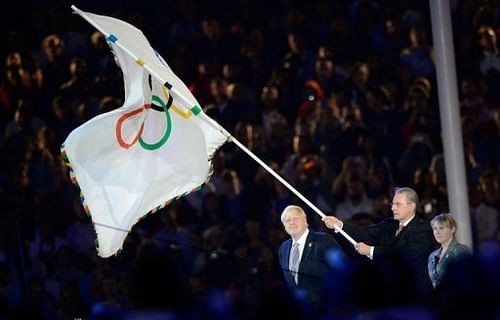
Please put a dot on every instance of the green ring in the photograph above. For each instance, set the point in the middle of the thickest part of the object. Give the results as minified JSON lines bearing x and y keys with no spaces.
{"x":162,"y":141}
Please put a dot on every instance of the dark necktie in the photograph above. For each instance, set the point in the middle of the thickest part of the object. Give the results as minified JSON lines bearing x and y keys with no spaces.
{"x":400,"y":228}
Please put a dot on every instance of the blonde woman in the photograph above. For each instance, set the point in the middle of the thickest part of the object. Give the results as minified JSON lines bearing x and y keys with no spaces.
{"x":444,"y":229}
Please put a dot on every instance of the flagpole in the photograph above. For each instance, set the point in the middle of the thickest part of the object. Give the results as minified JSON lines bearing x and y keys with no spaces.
{"x":274,"y":174}
{"x":290,"y":187}
{"x":175,"y":92}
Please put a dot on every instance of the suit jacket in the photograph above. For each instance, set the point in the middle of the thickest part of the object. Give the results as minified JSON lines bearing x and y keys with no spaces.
{"x":437,"y":267}
{"x":313,"y":267}
{"x":414,"y":244}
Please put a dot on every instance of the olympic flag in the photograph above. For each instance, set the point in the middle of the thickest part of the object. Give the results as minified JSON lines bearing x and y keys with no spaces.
{"x":138,"y":158}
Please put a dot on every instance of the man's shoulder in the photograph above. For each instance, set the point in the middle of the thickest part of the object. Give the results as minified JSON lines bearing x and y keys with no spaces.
{"x":319,"y":234}
{"x":289,"y":240}
{"x":421,"y":224}
{"x":285,"y":243}
{"x":386,"y":223}
{"x":322,"y":237}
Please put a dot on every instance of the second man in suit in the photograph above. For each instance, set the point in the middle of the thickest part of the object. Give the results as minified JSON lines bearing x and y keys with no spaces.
{"x":406,"y":235}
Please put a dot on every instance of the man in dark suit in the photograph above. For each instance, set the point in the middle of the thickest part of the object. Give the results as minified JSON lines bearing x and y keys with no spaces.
{"x":406,"y":235}
{"x":302,"y":258}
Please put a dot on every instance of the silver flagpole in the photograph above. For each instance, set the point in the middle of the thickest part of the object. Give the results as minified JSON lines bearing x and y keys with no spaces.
{"x":450,"y":118}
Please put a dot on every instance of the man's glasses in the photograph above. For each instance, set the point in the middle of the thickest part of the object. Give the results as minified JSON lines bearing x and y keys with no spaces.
{"x":398,"y":204}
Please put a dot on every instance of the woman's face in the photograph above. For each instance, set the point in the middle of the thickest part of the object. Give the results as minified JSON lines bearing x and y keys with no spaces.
{"x":442,"y":233}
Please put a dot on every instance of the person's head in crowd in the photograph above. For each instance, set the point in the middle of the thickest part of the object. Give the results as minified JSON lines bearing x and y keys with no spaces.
{"x":98,"y":42}
{"x":280,"y":131}
{"x":16,"y":74}
{"x":325,"y":52}
{"x":232,"y":72}
{"x":423,"y":82}
{"x":60,"y":108}
{"x":53,"y":47}
{"x":472,"y":87}
{"x":487,"y":39}
{"x":351,"y":116}
{"x":382,"y":173}
{"x":378,"y":99}
{"x":218,"y":89}
{"x":109,"y":103}
{"x":13,"y":59}
{"x":231,"y":183}
{"x":360,"y":74}
{"x":243,"y":131}
{"x":211,"y":204}
{"x":417,"y":99}
{"x":296,"y":41}
{"x":381,"y":207}
{"x":393,"y":27}
{"x":354,"y":165}
{"x":489,"y":185}
{"x":470,"y":128}
{"x":418,"y":36}
{"x":24,"y":114}
{"x":219,"y":161}
{"x":310,"y":169}
{"x":324,"y":68}
{"x":211,"y":30}
{"x":355,"y":188}
{"x":269,"y":97}
{"x":78,"y":67}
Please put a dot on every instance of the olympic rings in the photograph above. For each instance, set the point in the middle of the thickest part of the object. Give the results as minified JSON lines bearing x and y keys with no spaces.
{"x":162,"y":108}
{"x":185,"y":115}
{"x":168,"y":128}
{"x":118,"y":128}
{"x":138,"y":137}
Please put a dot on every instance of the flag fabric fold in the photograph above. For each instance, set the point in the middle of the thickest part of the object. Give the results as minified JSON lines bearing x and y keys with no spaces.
{"x":138,"y":158}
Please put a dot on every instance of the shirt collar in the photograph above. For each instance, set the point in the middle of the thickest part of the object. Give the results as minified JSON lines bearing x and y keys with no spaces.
{"x":408,"y":221}
{"x":302,"y":240}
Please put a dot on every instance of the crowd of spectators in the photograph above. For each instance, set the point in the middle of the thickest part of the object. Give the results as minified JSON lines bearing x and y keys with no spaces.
{"x":339,"y":97}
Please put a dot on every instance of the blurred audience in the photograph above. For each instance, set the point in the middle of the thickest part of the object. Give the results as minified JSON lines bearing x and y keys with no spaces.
{"x":337,"y":96}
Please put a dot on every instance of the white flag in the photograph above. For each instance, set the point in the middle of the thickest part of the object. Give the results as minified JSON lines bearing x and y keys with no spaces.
{"x":154,"y":149}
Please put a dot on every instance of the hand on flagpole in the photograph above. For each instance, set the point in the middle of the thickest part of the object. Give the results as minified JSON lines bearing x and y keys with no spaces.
{"x":332,"y":222}
{"x":363,"y":249}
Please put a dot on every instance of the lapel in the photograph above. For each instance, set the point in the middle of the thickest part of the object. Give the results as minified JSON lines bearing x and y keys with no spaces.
{"x":308,"y":248}
{"x":448,"y":255}
{"x":405,"y":229}
{"x":393,"y":229}
{"x":286,"y":261}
